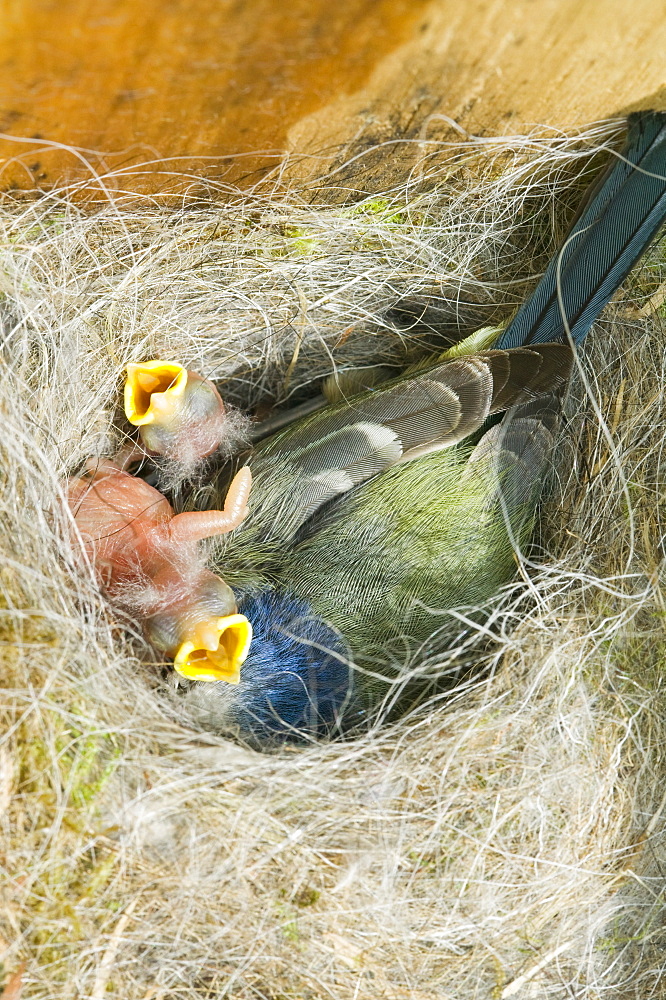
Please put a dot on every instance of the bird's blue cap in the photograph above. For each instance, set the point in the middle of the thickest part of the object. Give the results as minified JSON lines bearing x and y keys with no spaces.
{"x":297,"y":682}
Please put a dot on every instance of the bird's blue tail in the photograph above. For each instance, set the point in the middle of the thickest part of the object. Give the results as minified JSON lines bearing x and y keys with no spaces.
{"x":618,"y":220}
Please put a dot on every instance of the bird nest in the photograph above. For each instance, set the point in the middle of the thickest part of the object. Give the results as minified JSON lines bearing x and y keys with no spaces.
{"x":502,"y":840}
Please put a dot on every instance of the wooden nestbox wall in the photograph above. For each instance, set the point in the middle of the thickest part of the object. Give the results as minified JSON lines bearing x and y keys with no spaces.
{"x":225,"y":89}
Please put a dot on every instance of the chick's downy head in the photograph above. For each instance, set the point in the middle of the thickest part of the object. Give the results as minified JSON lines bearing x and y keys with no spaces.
{"x":180,"y":414}
{"x":200,"y":627}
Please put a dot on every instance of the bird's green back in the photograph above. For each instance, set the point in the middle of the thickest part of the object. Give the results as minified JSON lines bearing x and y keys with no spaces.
{"x":427,"y":536}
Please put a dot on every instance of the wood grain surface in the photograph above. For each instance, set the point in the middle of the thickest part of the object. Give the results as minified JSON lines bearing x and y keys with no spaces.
{"x":224,"y":88}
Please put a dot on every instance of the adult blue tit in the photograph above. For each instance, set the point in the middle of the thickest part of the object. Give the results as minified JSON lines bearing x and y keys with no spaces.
{"x":372,"y":519}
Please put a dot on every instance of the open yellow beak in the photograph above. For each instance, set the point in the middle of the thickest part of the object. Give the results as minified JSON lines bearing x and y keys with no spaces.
{"x":153,"y":390}
{"x":217,"y":651}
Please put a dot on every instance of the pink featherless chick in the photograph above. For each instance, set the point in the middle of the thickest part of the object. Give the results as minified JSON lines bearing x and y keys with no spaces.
{"x":149,"y":562}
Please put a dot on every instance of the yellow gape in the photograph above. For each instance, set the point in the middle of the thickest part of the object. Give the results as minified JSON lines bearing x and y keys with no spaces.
{"x":216,"y":650}
{"x":151,"y":391}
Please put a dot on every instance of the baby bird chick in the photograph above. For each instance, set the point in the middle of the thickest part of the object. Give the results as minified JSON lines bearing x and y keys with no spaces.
{"x":180,"y":414}
{"x":149,"y":562}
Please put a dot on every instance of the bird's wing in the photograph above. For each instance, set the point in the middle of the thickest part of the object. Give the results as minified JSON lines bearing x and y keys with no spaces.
{"x":384,"y":562}
{"x":345,"y":445}
{"x":513,"y":457}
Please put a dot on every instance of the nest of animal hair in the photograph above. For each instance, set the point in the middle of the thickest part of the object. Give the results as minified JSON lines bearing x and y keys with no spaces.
{"x":502,"y":840}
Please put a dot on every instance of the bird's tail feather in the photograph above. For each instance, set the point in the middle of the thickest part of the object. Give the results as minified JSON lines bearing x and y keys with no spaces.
{"x":616,"y":223}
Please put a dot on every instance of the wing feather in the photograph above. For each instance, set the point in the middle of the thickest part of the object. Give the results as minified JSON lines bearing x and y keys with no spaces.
{"x":338,"y":449}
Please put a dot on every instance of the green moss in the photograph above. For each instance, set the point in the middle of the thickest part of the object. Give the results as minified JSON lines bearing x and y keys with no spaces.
{"x":619,"y":934}
{"x":288,"y":922}
{"x":428,"y":863}
{"x":63,"y":776}
{"x":307,"y":896}
{"x":53,"y":224}
{"x":383,"y":210}
{"x":300,"y":241}
{"x":91,"y":769}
